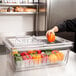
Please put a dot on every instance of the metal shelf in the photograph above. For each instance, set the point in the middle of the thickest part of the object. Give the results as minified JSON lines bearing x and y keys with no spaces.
{"x":20,"y":13}
{"x":36,"y":14}
{"x":16,"y":13}
{"x":21,"y":4}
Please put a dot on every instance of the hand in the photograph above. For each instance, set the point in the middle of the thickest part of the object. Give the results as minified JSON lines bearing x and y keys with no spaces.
{"x":50,"y":35}
{"x":49,"y":31}
{"x":53,"y":30}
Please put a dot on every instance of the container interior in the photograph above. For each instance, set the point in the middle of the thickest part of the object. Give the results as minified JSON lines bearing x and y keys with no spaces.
{"x":33,"y":59}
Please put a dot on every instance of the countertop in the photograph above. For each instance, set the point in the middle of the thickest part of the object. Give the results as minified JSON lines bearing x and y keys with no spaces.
{"x":68,"y":70}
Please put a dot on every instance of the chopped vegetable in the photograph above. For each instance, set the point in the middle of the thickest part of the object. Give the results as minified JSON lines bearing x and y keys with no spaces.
{"x":24,"y":53}
{"x":55,"y":51}
{"x":27,"y":57}
{"x":56,"y":56}
{"x":60,"y":56}
{"x":36,"y":58}
{"x":18,"y":58}
{"x":31,"y":51}
{"x":53,"y":58}
{"x":39,"y":51}
{"x":15,"y":52}
{"x":48,"y":53}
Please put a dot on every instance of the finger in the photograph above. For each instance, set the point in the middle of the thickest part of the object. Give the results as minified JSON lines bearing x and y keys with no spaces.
{"x":46,"y":33}
{"x":51,"y":31}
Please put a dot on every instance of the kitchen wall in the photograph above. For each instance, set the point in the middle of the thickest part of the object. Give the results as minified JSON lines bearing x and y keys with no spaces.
{"x":15,"y":25}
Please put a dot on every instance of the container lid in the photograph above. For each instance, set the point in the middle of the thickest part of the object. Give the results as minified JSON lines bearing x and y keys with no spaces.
{"x":37,"y":42}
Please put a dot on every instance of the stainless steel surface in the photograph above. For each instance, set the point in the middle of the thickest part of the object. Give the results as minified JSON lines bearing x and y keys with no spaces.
{"x":59,"y":11}
{"x":62,"y":10}
{"x":48,"y":14}
{"x":37,"y":22}
{"x":5,"y":68}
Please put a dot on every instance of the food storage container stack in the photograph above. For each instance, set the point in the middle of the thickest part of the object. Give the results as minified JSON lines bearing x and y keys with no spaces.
{"x":36,"y":52}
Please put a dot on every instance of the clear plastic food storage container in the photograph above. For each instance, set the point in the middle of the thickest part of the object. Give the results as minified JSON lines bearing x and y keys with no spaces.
{"x":34,"y":52}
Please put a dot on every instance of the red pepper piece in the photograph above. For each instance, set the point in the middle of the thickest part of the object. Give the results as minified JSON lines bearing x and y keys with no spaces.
{"x":43,"y":55}
{"x":30,"y":57}
{"x":24,"y":57}
{"x":24,"y":53}
{"x":27,"y":57}
{"x":31,"y":51}
{"x":39,"y":51}
{"x":55,"y":51}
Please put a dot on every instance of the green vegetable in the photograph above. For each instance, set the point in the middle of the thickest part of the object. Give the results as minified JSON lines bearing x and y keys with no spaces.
{"x":49,"y":50}
{"x":48,"y":53}
{"x":16,"y":54}
{"x":18,"y":58}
